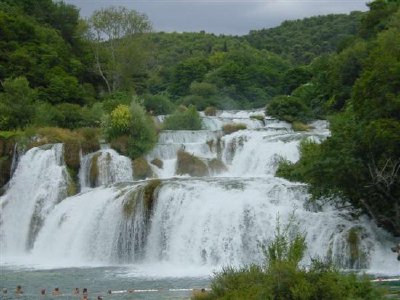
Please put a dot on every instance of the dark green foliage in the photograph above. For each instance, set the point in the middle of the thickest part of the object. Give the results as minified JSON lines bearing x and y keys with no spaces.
{"x":158,"y":104}
{"x":186,"y":72}
{"x":288,"y":108}
{"x":303,"y":40}
{"x":16,"y":104}
{"x":183,"y":120}
{"x":360,"y":161}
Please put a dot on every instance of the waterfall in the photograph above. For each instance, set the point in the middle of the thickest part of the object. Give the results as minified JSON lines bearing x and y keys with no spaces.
{"x":104,"y":167}
{"x":197,"y":222}
{"x":38,"y":184}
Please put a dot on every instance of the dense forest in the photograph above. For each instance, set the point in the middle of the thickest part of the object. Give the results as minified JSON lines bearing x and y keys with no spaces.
{"x":67,"y":78}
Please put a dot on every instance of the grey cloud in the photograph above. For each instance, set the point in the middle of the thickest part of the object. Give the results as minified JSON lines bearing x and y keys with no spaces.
{"x":223,"y":16}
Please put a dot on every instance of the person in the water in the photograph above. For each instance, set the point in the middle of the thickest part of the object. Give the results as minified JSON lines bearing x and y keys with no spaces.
{"x":75,"y":291}
{"x":19,"y":290}
{"x":56,"y":292}
{"x":5,"y":291}
{"x":43,"y":292}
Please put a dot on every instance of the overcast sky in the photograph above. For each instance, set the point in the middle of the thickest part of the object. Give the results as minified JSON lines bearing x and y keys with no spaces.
{"x":223,"y":16}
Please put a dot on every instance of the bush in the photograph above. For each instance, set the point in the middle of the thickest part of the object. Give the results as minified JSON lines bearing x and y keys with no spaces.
{"x":186,"y":120}
{"x":231,"y":128}
{"x":288,"y":108}
{"x":130,"y":131}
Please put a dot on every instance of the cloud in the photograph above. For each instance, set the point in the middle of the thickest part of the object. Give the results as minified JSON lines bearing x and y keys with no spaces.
{"x":223,"y":16}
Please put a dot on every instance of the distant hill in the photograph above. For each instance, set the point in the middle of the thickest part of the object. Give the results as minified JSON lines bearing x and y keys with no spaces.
{"x":302,"y":40}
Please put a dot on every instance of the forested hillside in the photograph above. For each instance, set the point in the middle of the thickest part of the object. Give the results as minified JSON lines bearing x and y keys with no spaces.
{"x":301,"y":41}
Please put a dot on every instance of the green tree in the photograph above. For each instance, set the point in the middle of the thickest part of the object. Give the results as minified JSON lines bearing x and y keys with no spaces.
{"x":111,"y":31}
{"x":16,"y":103}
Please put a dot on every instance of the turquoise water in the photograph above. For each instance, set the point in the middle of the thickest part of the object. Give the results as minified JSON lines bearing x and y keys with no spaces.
{"x":97,"y":281}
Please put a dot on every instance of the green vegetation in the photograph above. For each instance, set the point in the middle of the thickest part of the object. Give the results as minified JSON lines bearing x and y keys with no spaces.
{"x":359,"y":86}
{"x":282,"y":277}
{"x":130,"y":130}
{"x":188,"y":119}
{"x":302,"y":40}
{"x":231,"y":128}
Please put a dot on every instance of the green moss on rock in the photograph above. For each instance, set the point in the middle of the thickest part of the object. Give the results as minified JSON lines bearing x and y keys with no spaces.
{"x":299,"y":126}
{"x":231,"y":128}
{"x":191,"y":165}
{"x":130,"y":203}
{"x":149,"y":194}
{"x":210,"y":111}
{"x":141,"y":169}
{"x":158,"y":163}
{"x":216,"y":166}
{"x":94,"y":170}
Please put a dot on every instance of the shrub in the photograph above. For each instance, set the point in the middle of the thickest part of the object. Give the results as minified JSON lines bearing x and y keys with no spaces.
{"x":231,"y":128}
{"x":130,"y":130}
{"x":186,"y":120}
{"x":191,"y":165}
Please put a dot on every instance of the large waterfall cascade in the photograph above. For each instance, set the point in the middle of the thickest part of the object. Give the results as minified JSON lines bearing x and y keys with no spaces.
{"x":191,"y":222}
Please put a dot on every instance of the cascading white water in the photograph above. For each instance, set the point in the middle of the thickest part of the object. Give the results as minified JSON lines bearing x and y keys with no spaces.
{"x":38,"y":184}
{"x":104,"y":167}
{"x":196,"y":222}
